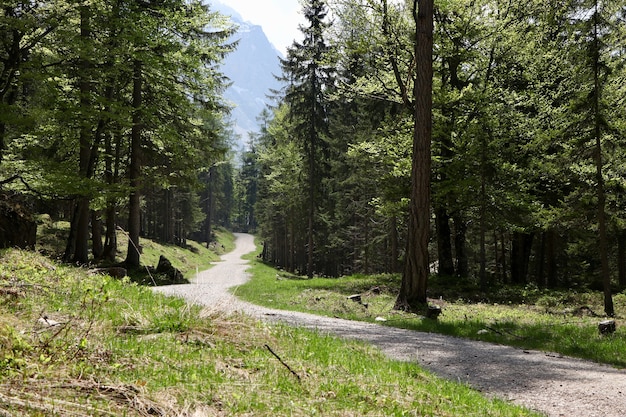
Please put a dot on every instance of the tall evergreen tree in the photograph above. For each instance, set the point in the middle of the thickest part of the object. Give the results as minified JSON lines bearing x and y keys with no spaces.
{"x":416,"y":266}
{"x":308,"y":78}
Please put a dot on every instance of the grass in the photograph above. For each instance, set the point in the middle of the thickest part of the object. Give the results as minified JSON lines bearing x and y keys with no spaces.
{"x":563,"y":322}
{"x":72,"y":343}
{"x":189,"y":260}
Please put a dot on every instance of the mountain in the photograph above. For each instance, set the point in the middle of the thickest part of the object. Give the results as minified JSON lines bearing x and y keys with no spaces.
{"x":251,"y":68}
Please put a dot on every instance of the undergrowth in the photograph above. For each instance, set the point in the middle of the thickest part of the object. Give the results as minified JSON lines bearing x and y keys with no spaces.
{"x":75,"y":344}
{"x":564,"y":322}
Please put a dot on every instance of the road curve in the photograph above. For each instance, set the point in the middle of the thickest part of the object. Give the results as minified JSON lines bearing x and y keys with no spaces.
{"x":549,"y":383}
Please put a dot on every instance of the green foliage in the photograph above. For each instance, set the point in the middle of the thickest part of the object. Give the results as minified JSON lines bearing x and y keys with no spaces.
{"x":96,"y":345}
{"x":564,"y":322}
{"x":513,"y":150}
{"x":71,"y":78}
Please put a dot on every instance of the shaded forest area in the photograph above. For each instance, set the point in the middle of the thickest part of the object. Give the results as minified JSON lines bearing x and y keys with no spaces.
{"x":112,"y":116}
{"x":528,"y":176}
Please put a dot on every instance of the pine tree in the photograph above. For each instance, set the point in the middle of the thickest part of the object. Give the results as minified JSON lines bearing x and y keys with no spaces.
{"x":308,"y":78}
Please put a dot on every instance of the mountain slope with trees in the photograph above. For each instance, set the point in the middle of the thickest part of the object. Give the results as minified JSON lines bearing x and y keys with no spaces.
{"x":251,"y":85}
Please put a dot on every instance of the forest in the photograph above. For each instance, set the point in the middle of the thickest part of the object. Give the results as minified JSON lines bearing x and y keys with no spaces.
{"x":479,"y":140}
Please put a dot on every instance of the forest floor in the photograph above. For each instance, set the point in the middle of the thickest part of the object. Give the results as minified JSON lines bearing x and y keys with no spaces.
{"x":542,"y":381}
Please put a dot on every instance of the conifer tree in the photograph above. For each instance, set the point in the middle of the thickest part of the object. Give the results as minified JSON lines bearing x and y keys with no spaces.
{"x":308,"y":78}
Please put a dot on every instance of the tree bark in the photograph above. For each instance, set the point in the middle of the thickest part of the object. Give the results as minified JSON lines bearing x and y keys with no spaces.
{"x":416,"y":268}
{"x":444,"y":245}
{"x":601,"y":194}
{"x":134,"y":204}
{"x":621,"y":258}
{"x":96,"y":234}
{"x":394,"y":244}
{"x":460,"y":246}
{"x":520,"y":256}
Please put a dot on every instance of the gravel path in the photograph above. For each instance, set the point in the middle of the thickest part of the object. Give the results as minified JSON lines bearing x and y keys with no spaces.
{"x":549,"y":383}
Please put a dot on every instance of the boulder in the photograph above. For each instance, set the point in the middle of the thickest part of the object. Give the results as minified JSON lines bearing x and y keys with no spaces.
{"x":165,"y":268}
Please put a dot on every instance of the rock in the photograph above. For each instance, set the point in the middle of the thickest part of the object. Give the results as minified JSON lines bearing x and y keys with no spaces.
{"x":45,"y":321}
{"x":355,"y":297}
{"x":433,"y":312}
{"x":165,"y":267}
{"x":607,"y":327}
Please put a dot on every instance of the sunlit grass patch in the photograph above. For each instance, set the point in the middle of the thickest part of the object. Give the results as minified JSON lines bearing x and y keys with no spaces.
{"x":558,"y":321}
{"x":80,"y":344}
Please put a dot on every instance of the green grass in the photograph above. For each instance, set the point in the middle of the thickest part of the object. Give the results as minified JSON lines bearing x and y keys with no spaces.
{"x":189,"y":260}
{"x":545,"y":320}
{"x":118,"y":348}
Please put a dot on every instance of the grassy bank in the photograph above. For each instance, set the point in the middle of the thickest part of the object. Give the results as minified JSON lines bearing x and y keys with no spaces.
{"x":558,"y":321}
{"x":189,"y":260}
{"x":78,"y":344}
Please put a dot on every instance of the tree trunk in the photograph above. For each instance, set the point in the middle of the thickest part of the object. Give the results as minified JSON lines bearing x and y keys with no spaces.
{"x":621,"y":258}
{"x":311,"y":216}
{"x":395,"y":253}
{"x":460,"y":246}
{"x":78,"y":241}
{"x":551,"y":254}
{"x":416,"y":268}
{"x":602,"y":233}
{"x":520,"y":256}
{"x":444,"y":244}
{"x":96,"y":234}
{"x":209,"y":207}
{"x":112,"y":162}
{"x":134,"y":204}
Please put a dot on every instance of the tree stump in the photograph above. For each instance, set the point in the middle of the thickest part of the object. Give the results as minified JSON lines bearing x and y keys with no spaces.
{"x":607,"y":327}
{"x":17,"y":228}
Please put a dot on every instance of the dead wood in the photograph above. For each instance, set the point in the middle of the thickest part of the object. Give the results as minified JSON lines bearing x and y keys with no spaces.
{"x":282,"y":362}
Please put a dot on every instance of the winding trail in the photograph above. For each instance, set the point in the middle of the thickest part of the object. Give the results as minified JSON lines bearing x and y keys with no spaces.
{"x":548,"y":383}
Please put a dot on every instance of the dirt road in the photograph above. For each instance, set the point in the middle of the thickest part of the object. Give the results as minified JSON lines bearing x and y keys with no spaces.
{"x":549,"y":383}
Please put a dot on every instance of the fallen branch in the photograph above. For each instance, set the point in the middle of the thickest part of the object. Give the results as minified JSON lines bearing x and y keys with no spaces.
{"x":504,"y":333}
{"x":283,"y":362}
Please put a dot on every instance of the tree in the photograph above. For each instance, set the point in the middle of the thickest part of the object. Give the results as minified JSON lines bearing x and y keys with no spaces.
{"x":416,"y":268}
{"x":308,"y":77}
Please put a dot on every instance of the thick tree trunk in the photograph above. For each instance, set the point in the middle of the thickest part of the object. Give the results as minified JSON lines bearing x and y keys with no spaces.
{"x":110,"y":239}
{"x":601,"y":194}
{"x":78,"y":241}
{"x":134,"y":204}
{"x":416,"y":268}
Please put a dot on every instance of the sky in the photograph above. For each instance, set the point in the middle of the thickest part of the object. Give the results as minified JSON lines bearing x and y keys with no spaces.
{"x":279,"y":18}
